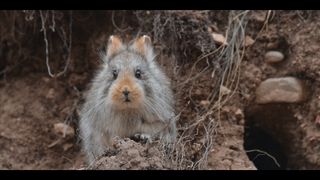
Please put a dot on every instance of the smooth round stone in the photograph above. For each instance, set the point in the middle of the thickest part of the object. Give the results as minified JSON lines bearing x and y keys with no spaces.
{"x":274,"y":57}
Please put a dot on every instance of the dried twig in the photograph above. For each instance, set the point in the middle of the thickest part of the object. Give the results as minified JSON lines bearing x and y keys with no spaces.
{"x":43,"y":21}
{"x":68,"y":45}
{"x":264,"y":153}
{"x":115,"y":25}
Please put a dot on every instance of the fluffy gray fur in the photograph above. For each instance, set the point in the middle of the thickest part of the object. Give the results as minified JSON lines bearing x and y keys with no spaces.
{"x":100,"y":120}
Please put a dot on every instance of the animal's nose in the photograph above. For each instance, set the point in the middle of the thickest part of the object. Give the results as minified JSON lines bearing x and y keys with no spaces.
{"x":126,"y":93}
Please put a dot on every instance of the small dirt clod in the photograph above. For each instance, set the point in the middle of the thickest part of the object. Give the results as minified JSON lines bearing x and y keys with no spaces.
{"x":224,"y":90}
{"x":63,"y":130}
{"x":219,"y":39}
{"x":248,"y":41}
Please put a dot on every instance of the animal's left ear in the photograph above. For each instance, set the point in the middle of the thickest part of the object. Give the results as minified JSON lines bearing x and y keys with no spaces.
{"x":143,"y":46}
{"x":115,"y":45}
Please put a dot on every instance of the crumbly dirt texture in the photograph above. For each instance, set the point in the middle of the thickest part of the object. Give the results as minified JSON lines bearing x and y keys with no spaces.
{"x":131,"y":155}
{"x":215,"y":95}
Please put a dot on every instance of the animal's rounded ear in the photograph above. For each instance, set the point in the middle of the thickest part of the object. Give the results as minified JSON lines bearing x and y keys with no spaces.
{"x":147,"y":40}
{"x":143,"y":46}
{"x":115,"y":45}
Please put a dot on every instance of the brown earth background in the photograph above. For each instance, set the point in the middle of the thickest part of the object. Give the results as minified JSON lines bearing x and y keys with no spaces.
{"x":216,"y":61}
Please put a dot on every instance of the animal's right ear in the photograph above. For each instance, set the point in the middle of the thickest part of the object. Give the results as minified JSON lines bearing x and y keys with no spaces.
{"x":115,"y":45}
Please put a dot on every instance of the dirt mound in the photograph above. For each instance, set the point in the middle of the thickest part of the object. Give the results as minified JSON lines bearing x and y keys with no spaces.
{"x":131,"y":155}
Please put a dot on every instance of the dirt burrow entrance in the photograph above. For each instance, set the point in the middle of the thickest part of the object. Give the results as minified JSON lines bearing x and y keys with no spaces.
{"x":283,"y":135}
{"x":272,"y":137}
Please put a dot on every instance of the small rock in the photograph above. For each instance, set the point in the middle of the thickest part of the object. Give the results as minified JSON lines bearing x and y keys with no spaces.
{"x":248,"y":41}
{"x":11,"y":148}
{"x":298,"y":116}
{"x":226,"y":162}
{"x":239,"y":114}
{"x":45,"y":79}
{"x":226,"y":109}
{"x":303,"y":125}
{"x":196,"y":147}
{"x":234,"y":147}
{"x":281,"y":90}
{"x":224,"y":90}
{"x":198,"y":92}
{"x":219,"y":38}
{"x":205,"y":103}
{"x":273,"y":57}
{"x":67,"y":146}
{"x":212,"y":28}
{"x":63,"y":130}
{"x":133,"y":153}
{"x":50,"y":94}
{"x":246,"y":96}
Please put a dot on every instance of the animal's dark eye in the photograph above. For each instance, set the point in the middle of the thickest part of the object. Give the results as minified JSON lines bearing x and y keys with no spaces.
{"x":138,"y":73}
{"x":115,"y":74}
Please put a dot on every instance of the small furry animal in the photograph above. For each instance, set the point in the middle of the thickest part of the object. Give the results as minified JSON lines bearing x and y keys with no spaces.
{"x":129,"y":97}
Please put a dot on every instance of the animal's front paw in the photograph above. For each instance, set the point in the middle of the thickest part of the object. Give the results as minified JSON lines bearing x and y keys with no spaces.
{"x":143,"y":138}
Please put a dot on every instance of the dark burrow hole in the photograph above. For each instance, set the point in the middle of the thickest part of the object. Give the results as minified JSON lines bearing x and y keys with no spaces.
{"x":267,"y":140}
{"x":263,"y":150}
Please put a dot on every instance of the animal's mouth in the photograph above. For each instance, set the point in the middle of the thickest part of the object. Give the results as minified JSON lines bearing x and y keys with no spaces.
{"x":127,"y":100}
{"x":127,"y":105}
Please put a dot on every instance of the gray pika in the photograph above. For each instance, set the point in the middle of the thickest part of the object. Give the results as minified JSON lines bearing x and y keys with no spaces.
{"x":130,"y":96}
